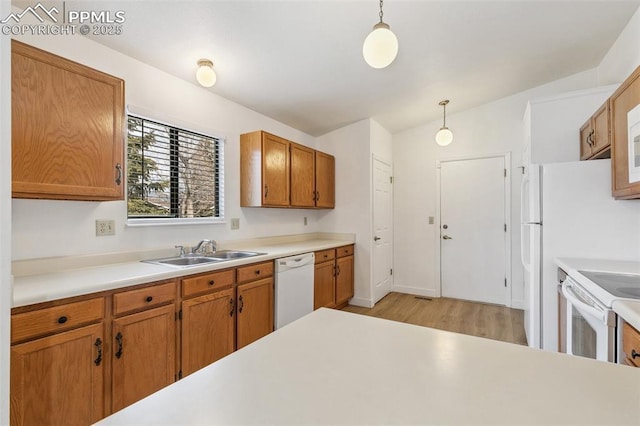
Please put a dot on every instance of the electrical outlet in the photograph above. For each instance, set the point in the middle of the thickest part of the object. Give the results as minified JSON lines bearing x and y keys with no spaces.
{"x":105,"y":227}
{"x":305,"y":221}
{"x":235,"y":223}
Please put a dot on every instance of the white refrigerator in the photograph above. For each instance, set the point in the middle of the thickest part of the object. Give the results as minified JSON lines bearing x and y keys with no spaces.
{"x":567,"y":211}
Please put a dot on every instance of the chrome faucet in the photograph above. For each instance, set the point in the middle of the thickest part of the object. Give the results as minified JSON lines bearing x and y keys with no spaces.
{"x":203,"y":245}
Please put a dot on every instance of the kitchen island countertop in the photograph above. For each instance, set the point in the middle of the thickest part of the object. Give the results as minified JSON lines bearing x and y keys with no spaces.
{"x":333,"y":367}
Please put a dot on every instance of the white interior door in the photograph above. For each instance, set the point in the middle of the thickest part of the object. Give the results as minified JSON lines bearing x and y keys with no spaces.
{"x":472,"y":229}
{"x":382,"y":229}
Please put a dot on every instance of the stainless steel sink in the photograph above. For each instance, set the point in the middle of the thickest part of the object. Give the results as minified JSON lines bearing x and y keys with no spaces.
{"x":191,"y":260}
{"x":233,"y":254}
{"x":183,"y":261}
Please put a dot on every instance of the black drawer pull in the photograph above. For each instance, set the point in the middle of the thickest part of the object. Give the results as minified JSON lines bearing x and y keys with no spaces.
{"x":257,"y":271}
{"x":149,"y":299}
{"x":634,"y":354}
{"x":212,"y":282}
{"x":62,"y":320}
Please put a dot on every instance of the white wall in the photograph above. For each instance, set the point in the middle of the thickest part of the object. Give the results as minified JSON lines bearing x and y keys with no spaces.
{"x":43,"y":228}
{"x":5,"y":217}
{"x":351,"y":147}
{"x":624,"y":55}
{"x":493,"y":128}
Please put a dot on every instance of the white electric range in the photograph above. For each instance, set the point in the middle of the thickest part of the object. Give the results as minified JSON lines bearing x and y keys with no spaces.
{"x":588,"y":326}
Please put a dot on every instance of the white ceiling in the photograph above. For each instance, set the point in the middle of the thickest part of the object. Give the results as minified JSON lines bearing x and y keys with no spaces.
{"x":300,"y":62}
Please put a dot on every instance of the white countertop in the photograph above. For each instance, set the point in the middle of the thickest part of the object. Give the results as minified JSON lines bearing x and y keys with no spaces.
{"x":629,"y":311}
{"x":76,"y":281}
{"x":334,"y":367}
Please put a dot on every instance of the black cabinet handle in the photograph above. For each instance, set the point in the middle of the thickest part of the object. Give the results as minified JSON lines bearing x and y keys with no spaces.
{"x":62,"y":320}
{"x":149,"y":299}
{"x":119,"y":342}
{"x":257,"y":271}
{"x":98,"y":345}
{"x":231,"y":307}
{"x":118,"y":174}
{"x":212,"y":282}
{"x":338,"y":270}
{"x":266,"y":191}
{"x":634,"y":354}
{"x":240,"y":304}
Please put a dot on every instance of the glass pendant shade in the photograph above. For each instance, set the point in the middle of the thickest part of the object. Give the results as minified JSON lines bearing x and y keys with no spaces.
{"x":444,"y":136}
{"x":380,"y":47}
{"x":205,"y":74}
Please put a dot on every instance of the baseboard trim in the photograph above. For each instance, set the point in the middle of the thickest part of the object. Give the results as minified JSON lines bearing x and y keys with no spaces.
{"x":363,"y":303}
{"x":415,"y":291}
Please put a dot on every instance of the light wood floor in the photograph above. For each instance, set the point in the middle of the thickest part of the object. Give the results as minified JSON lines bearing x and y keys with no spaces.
{"x":477,"y":319}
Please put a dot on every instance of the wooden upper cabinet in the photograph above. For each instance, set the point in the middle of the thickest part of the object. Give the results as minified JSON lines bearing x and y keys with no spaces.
{"x":303,"y":175}
{"x":595,"y":141}
{"x":264,"y":170}
{"x":626,"y":98}
{"x":68,"y":128}
{"x":275,"y":172}
{"x":325,"y":180}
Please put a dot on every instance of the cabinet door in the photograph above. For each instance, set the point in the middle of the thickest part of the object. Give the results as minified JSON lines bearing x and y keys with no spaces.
{"x":325,"y":180}
{"x":344,"y":279}
{"x":303,"y":174}
{"x":601,"y":130}
{"x":67,"y":128}
{"x":275,"y":171}
{"x":324,"y":285}
{"x":622,"y":101}
{"x":207,"y":329}
{"x":143,"y":354}
{"x":59,"y":380}
{"x":255,"y":311}
{"x":585,"y":140}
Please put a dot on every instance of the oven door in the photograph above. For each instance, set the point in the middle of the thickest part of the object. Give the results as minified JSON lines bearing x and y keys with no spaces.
{"x":590,"y":327}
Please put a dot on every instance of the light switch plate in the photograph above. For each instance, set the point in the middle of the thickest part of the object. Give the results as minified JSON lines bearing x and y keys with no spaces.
{"x":235,"y":223}
{"x":430,"y":220}
{"x":105,"y":227}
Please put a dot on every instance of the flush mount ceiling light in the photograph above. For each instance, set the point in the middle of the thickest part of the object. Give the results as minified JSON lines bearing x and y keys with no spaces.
{"x":381,"y":45}
{"x":444,"y":136}
{"x":205,"y":74}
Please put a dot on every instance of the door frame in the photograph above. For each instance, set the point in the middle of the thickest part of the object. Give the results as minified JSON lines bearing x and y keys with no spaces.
{"x":507,"y":217}
{"x":372,"y":284}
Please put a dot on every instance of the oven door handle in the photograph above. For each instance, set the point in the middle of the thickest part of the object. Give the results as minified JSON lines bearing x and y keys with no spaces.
{"x":581,"y":304}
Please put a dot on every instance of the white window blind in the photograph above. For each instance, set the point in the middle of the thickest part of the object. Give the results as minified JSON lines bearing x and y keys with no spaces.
{"x":173,"y":172}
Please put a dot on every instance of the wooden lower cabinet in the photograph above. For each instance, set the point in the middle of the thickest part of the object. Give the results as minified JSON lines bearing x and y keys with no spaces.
{"x":324,"y":288}
{"x":630,"y":345}
{"x":333,"y":277}
{"x":143,"y":354}
{"x":208,"y":329}
{"x":255,"y":311}
{"x":59,"y":380}
{"x":344,"y":280}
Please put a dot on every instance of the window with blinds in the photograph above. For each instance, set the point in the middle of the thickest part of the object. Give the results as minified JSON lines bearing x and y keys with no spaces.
{"x":172,"y":172}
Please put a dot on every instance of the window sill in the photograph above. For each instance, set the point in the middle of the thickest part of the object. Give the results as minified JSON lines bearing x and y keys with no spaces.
{"x":174,"y":222}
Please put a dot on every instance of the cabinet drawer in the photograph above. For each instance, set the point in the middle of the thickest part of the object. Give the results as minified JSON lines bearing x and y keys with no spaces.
{"x":207,"y":282}
{"x":142,"y":298}
{"x":325,"y":255}
{"x":255,"y":271}
{"x":631,"y":344}
{"x":55,"y":319}
{"x":344,"y":251}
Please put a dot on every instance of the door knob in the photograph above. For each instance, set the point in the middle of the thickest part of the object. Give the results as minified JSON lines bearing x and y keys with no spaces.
{"x":446,"y":237}
{"x":376,"y":238}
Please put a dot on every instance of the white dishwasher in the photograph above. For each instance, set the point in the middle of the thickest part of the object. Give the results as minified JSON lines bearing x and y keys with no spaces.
{"x":294,"y":288}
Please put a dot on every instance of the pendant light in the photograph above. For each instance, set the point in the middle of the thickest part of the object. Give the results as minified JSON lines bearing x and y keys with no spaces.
{"x":205,"y":75}
{"x":381,"y":45}
{"x":444,"y":136}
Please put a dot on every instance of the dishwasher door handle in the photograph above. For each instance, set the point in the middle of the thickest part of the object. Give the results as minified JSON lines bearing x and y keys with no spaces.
{"x":297,"y":262}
